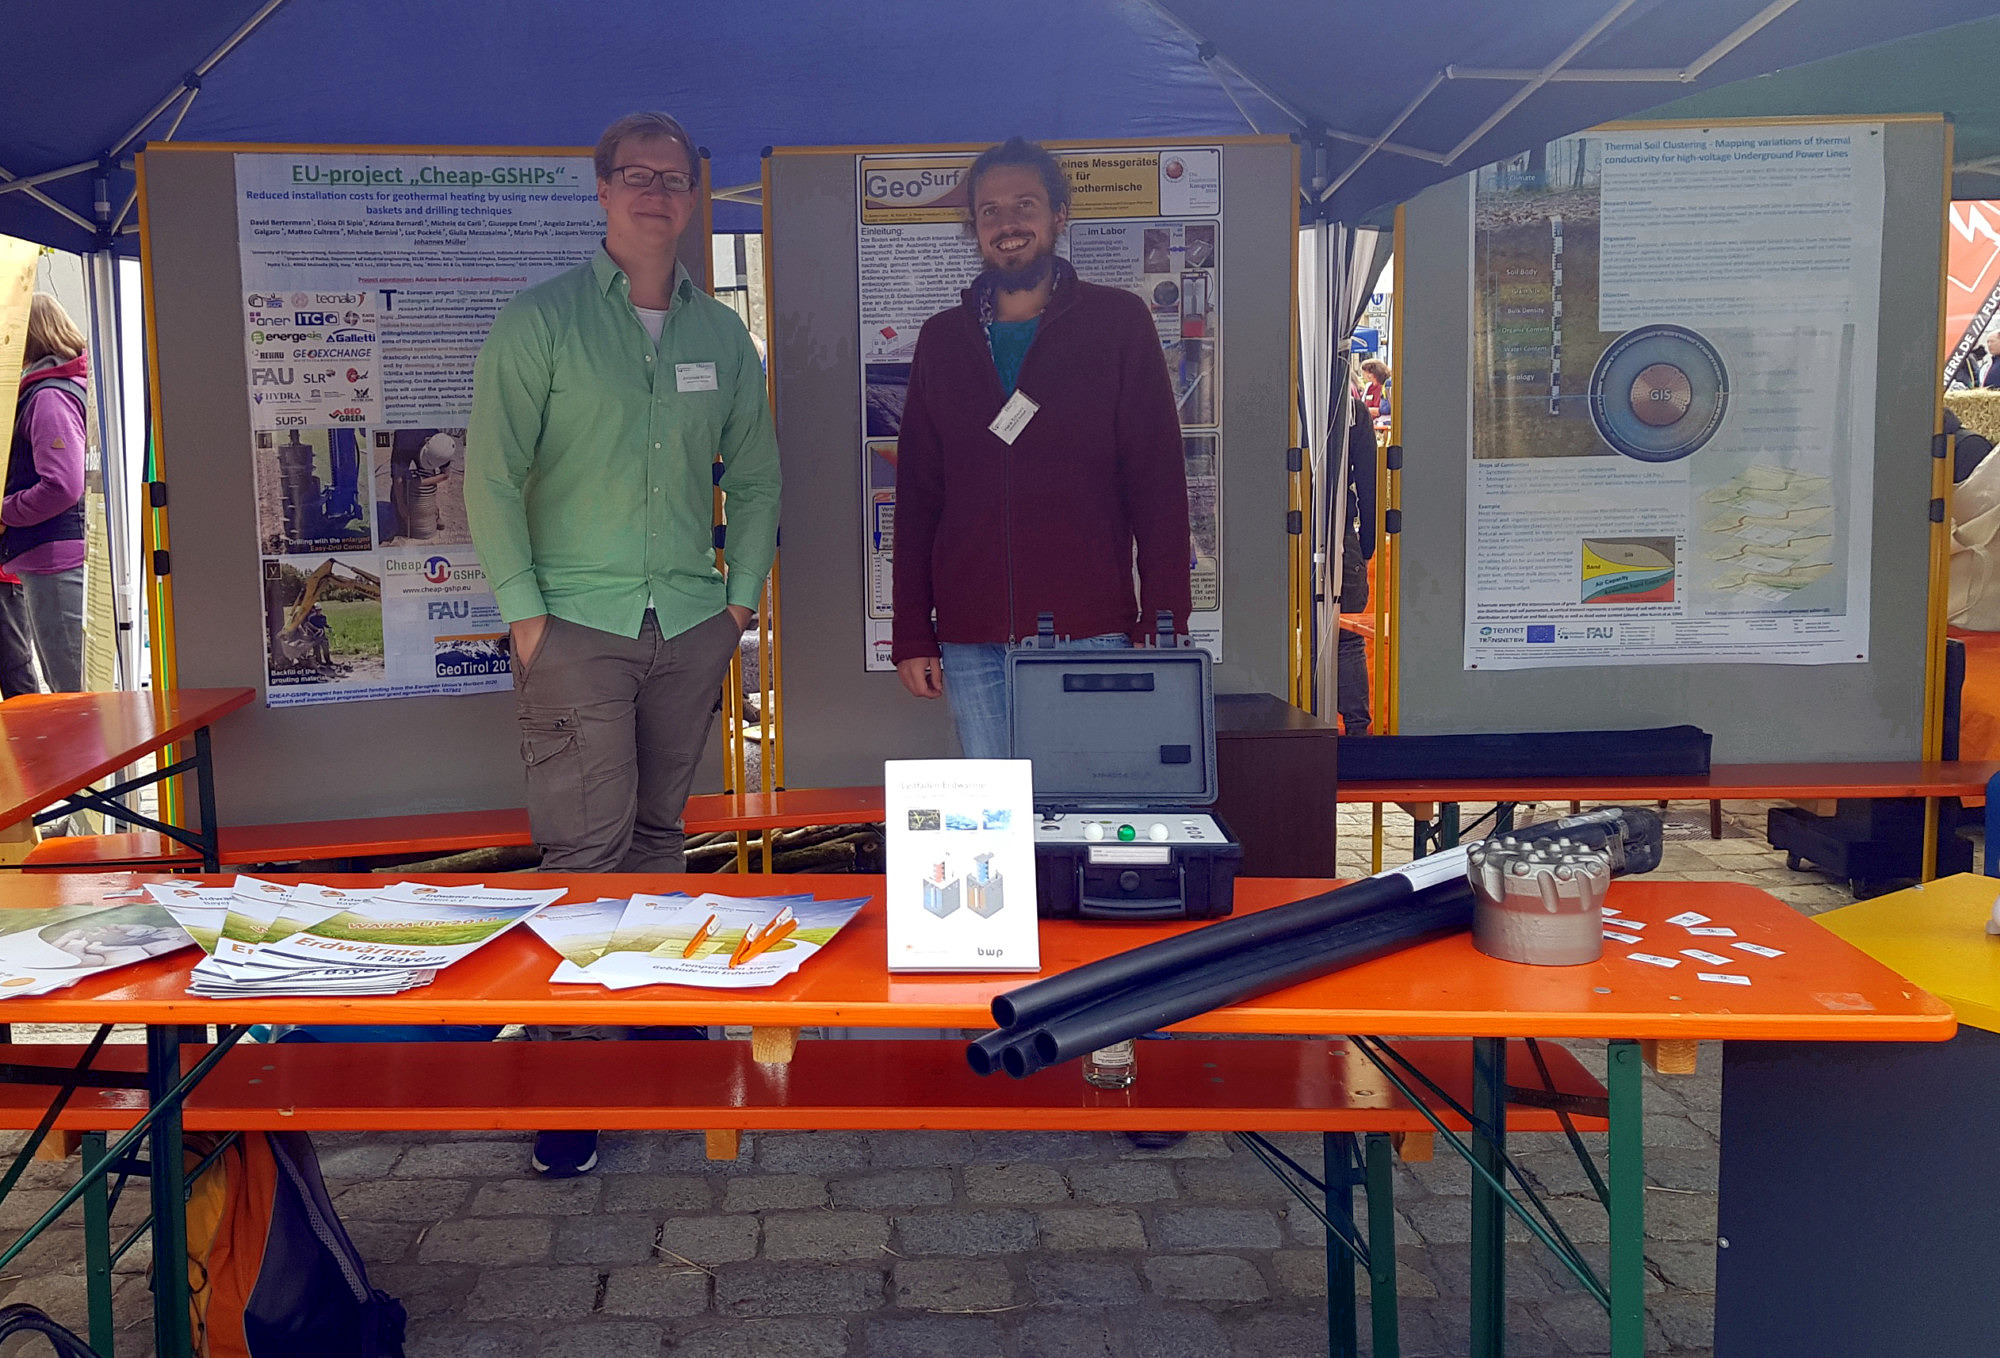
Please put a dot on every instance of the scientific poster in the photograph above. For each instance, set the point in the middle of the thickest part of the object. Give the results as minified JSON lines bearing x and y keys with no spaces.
{"x":369,"y":284}
{"x":1674,"y":399}
{"x":1145,"y":219}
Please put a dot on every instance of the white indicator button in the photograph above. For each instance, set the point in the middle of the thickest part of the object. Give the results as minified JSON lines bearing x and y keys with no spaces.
{"x":1158,"y":833}
{"x":1093,"y":830}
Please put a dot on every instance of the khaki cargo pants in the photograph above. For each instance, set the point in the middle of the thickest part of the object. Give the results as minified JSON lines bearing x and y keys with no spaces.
{"x":611,"y":730}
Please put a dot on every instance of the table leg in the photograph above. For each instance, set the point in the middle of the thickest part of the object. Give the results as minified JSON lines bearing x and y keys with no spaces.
{"x":1337,"y":1167}
{"x":1503,"y":818}
{"x":1489,"y":1216}
{"x":97,"y":1247}
{"x":204,"y":784}
{"x":1382,"y":1299}
{"x":1447,"y":825}
{"x":166,"y":1177}
{"x":1625,"y":1082}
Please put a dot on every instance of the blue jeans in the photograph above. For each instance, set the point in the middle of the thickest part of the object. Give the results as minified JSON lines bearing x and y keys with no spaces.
{"x":975,"y":684}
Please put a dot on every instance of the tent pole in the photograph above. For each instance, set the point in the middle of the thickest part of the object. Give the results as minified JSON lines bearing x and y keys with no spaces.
{"x":108,"y":377}
{"x":194,"y":77}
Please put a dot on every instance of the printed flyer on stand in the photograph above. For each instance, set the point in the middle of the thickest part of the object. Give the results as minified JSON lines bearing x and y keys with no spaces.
{"x":961,"y":865}
{"x":370,"y":282}
{"x":1674,"y":398}
{"x":1145,"y":219}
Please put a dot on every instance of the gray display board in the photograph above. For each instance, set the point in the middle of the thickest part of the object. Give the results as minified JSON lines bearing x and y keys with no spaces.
{"x":841,"y":722}
{"x":1757,"y":713}
{"x":381,"y":758}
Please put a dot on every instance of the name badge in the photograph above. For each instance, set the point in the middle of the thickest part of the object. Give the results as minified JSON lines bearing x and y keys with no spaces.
{"x":1013,"y":417}
{"x":694,"y":376}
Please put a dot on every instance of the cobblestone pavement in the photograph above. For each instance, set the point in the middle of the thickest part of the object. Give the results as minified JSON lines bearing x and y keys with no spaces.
{"x":964,"y":1245}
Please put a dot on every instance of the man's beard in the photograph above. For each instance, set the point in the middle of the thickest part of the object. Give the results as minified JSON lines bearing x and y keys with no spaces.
{"x":1022,"y":276}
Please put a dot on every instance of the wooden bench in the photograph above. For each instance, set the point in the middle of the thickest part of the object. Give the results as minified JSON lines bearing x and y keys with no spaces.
{"x":437,"y":832}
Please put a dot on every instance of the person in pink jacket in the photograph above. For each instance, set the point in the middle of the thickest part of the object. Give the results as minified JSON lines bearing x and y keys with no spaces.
{"x":41,"y":512}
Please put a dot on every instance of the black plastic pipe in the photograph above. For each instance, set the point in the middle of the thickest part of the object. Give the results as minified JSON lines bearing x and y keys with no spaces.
{"x":989,"y":1053}
{"x":1633,"y":835}
{"x":1436,"y":912}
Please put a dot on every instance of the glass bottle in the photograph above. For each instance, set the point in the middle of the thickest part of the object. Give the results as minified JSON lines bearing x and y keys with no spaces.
{"x":1112,"y":1067}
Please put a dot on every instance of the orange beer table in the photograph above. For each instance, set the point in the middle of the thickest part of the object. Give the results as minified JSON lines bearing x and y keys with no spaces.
{"x":53,"y":746}
{"x":1818,"y":988}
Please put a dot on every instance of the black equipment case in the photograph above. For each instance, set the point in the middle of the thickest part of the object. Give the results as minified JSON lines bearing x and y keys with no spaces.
{"x":1123,"y":744}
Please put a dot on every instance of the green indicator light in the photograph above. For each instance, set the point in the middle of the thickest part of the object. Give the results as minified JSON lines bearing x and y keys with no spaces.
{"x":1126,"y":833}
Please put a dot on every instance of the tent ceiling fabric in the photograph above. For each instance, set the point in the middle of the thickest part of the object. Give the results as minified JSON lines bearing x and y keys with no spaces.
{"x":801,"y":72}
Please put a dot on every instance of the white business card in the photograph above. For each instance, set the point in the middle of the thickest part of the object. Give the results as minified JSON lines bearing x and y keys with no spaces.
{"x":1721,"y":977}
{"x":1688,"y":918}
{"x":1650,"y":960}
{"x":1758,"y":949}
{"x":1710,"y":958}
{"x":1713,"y":931}
{"x":1614,"y":935}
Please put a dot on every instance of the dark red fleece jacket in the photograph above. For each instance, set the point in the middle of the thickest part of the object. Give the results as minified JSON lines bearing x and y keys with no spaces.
{"x":1096,"y":471}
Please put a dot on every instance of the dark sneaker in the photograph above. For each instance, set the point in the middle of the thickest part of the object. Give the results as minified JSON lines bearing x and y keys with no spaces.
{"x":564,"y":1155}
{"x":1155,"y":1141}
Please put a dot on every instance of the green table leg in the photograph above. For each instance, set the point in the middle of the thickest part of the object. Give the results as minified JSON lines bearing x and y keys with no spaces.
{"x":1625,"y":1083}
{"x":1343,"y":1338}
{"x":1489,"y":1215}
{"x":167,"y":1178}
{"x":1447,"y":825}
{"x":1382,"y":1301}
{"x":97,"y":1247}
{"x":1503,"y":818}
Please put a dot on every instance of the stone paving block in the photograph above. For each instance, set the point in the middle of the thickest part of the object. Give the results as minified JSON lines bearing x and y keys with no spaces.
{"x":605,"y":1339}
{"x":934,"y":1337}
{"x":1083,"y":1282}
{"x":772,"y":1192}
{"x":952,"y":1284}
{"x":493,"y":1241}
{"x":1676,"y":1131}
{"x":1063,"y":1334}
{"x":1581,"y":1324}
{"x":1687,"y":1321}
{"x":708,"y":1240}
{"x":426,"y":1290}
{"x":918,"y":1150}
{"x":1451,"y":1265}
{"x":1197,"y":1146}
{"x":1167,"y":1330}
{"x":363,"y":1160}
{"x":1219,"y":1228}
{"x":1240,"y":1178}
{"x":380,"y":1242}
{"x":1091,"y":1228}
{"x":1118,"y":1181}
{"x":538,"y":1197}
{"x":657,"y":1193}
{"x":1206,"y":1277}
{"x":1684,"y":1264}
{"x":811,"y":1152}
{"x":893,"y":1188}
{"x":457,"y":1160}
{"x":1280,"y":1336}
{"x":1302,"y":1273}
{"x":1015,"y":1184}
{"x":994,"y":1232}
{"x":1303,"y":1228}
{"x":394,"y":1200}
{"x":539,"y":1293}
{"x":624,"y":1152}
{"x":825,"y":1236}
{"x":605,"y":1239}
{"x":1599,"y":1259}
{"x":447,"y":1339}
{"x":764,"y":1339}
{"x":665,"y":1289}
{"x":1696,"y":1171}
{"x":1440,"y":1221}
{"x":687,"y":1153}
{"x":799,"y":1289}
{"x":1010,"y":1148}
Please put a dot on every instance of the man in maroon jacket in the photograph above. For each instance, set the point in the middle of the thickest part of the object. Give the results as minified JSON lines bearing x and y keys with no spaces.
{"x":1039,"y":459}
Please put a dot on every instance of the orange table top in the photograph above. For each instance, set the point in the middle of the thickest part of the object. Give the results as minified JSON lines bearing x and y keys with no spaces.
{"x":52,"y":744}
{"x":1725,"y":782}
{"x":1821,"y":989}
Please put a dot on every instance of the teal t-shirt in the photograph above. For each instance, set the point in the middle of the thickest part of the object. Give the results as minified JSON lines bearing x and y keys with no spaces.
{"x":1009,"y":341}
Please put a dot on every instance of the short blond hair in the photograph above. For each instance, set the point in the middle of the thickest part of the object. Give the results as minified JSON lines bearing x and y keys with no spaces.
{"x":50,"y":331}
{"x":604,"y":156}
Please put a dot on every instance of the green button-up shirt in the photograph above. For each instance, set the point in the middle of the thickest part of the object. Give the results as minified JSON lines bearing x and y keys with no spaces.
{"x":589,"y":457}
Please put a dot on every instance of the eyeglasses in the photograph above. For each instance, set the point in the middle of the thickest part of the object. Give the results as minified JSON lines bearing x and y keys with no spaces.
{"x":641,"y":178}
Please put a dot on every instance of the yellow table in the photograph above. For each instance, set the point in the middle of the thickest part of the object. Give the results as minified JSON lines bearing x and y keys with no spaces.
{"x":1935,"y":935}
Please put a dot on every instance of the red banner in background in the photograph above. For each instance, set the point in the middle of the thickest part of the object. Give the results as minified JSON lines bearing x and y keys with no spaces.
{"x":1972,"y":280}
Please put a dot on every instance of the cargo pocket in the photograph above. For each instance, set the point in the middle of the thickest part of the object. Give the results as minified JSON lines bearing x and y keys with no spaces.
{"x":552,"y":753}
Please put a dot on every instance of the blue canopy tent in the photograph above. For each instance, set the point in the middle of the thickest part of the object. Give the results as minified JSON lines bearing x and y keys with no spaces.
{"x":1385,"y":100}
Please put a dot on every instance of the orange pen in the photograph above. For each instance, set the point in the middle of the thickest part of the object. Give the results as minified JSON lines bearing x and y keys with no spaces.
{"x":701,"y":936}
{"x":760,"y":938}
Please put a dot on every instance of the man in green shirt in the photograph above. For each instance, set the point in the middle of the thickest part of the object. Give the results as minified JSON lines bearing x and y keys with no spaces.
{"x":602,"y":401}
